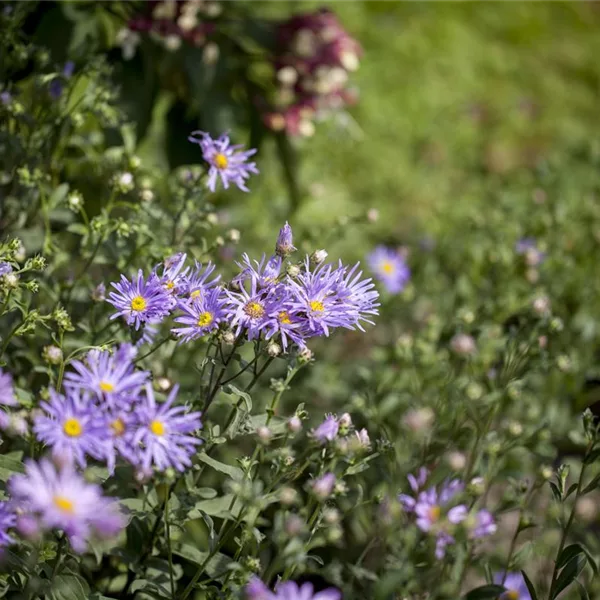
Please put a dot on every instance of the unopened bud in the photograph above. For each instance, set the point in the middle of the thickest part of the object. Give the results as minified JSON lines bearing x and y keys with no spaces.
{"x":52,"y":355}
{"x":288,"y":496}
{"x":456,"y":460}
{"x":147,"y":195}
{"x":163,"y":383}
{"x":233,"y":235}
{"x":273,"y":349}
{"x":419,"y":420}
{"x":75,"y":201}
{"x":318,"y":256}
{"x":294,"y":525}
{"x":264,"y":434}
{"x":293,"y":270}
{"x":372,"y":215}
{"x":229,"y":337}
{"x":294,"y":424}
{"x":331,"y":516}
{"x":463,"y":344}
{"x":541,"y":306}
{"x":345,"y":420}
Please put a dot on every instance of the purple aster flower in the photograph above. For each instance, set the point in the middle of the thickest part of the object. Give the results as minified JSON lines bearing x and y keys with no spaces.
{"x":284,"y":320}
{"x":265,"y":272}
{"x":5,"y":97}
{"x":314,"y":293}
{"x":284,"y":245}
{"x":62,"y":499}
{"x":289,"y":590}
{"x":249,"y":310}
{"x":358,"y":293}
{"x":323,"y":486}
{"x":197,"y":281}
{"x":8,"y":519}
{"x":122,"y":425}
{"x":429,"y":508}
{"x":72,"y":427}
{"x":389,"y":267}
{"x":201,"y":316}
{"x":327,"y":431}
{"x":140,"y":301}
{"x":528,"y":248}
{"x":107,"y":375}
{"x":5,"y":268}
{"x":485,"y":524}
{"x":172,"y":278}
{"x":225,"y":160}
{"x":516,"y":588}
{"x":7,"y":392}
{"x":68,"y":69}
{"x":256,"y":590}
{"x":442,"y":540}
{"x":163,"y":437}
{"x":416,"y":484}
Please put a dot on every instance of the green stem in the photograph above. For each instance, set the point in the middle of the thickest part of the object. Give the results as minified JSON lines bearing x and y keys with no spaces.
{"x":168,"y":536}
{"x":153,"y":349}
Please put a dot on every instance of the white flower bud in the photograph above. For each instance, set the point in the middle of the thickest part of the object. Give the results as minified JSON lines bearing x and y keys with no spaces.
{"x":210,"y":54}
{"x":163,"y":383}
{"x":172,"y":42}
{"x":11,"y":280}
{"x":287,"y":75}
{"x":147,"y":195}
{"x":372,"y":215}
{"x":293,"y":270}
{"x":233,"y":235}
{"x":264,"y":434}
{"x":463,"y":344}
{"x":294,"y":525}
{"x":318,"y":256}
{"x":287,"y":495}
{"x":74,"y":201}
{"x":345,"y":420}
{"x":541,"y":305}
{"x":456,"y":460}
{"x":294,"y":424}
{"x":419,"y":420}
{"x":52,"y":355}
{"x":273,"y":349}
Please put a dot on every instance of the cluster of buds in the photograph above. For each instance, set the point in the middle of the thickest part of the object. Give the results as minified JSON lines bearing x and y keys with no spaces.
{"x":172,"y":23}
{"x":312,"y":66}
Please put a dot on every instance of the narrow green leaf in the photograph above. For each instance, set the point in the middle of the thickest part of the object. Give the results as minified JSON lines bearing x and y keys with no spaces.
{"x":233,"y":391}
{"x":582,"y":591}
{"x":233,"y":472}
{"x":592,"y":485}
{"x":591,"y":559}
{"x":555,"y":492}
{"x":69,"y":587}
{"x":569,"y":574}
{"x":530,"y":586}
{"x":485,"y":592}
{"x":567,"y":554}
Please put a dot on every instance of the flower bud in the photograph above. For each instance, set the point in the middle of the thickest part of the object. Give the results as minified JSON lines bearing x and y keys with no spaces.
{"x":515,"y":428}
{"x":318,"y":256}
{"x":306,"y":355}
{"x":264,"y":434}
{"x":323,"y":486}
{"x":294,"y":424}
{"x":331,"y":516}
{"x":52,"y":355}
{"x":233,"y":235}
{"x":456,"y":460}
{"x":541,"y":306}
{"x":419,"y":420}
{"x":163,"y":383}
{"x":372,"y":215}
{"x":345,"y":420}
{"x":463,"y":344}
{"x":75,"y":201}
{"x":99,"y":293}
{"x":135,"y":162}
{"x":288,"y":496}
{"x":284,"y":246}
{"x":229,"y":337}
{"x":11,"y":280}
{"x":210,"y":54}
{"x":546,"y":472}
{"x":147,"y":195}
{"x":294,"y":525}
{"x":293,"y":270}
{"x":476,"y":486}
{"x":273,"y":349}
{"x":556,"y":325}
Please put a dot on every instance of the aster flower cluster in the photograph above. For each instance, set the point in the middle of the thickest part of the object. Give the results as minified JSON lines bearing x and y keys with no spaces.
{"x":389,"y":267}
{"x":288,"y":590}
{"x":109,"y":412}
{"x":285,"y":305}
{"x":312,"y":67}
{"x":171,"y":22}
{"x":437,"y":512}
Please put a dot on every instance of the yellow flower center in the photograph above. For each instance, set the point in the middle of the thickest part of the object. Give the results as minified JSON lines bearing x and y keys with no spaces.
{"x":106,"y":386}
{"x":317,"y":306}
{"x":220,"y":161}
{"x":64,"y":504}
{"x":157,"y":428}
{"x":72,"y":427}
{"x":205,"y":319}
{"x":196,"y":294}
{"x":170,"y":285}
{"x":387,"y":267}
{"x":138,"y":303}
{"x":118,"y":427}
{"x":254,"y":310}
{"x":511,"y":595}
{"x":434,"y":513}
{"x":284,"y":317}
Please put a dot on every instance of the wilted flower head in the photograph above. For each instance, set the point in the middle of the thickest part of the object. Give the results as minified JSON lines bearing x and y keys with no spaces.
{"x":389,"y":267}
{"x":226,"y":161}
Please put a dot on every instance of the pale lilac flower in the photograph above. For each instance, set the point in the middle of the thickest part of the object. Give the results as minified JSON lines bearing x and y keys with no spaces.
{"x":485,"y":524}
{"x":284,"y":245}
{"x":327,"y":431}
{"x":107,"y":376}
{"x":256,"y":590}
{"x":264,"y":271}
{"x":416,"y":484}
{"x":164,"y":433}
{"x":198,"y":283}
{"x":172,"y":278}
{"x":200,"y":316}
{"x":226,"y":161}
{"x":362,"y":436}
{"x":5,"y":268}
{"x":7,"y":392}
{"x":516,"y":588}
{"x":290,"y":590}
{"x":390,"y":268}
{"x":358,"y":293}
{"x":62,"y":499}
{"x":443,"y":539}
{"x":72,"y":427}
{"x":323,"y":486}
{"x":8,"y":520}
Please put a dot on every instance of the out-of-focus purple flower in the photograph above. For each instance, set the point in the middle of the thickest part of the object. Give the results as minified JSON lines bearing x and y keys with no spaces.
{"x":327,"y":431}
{"x":107,"y":376}
{"x":200,"y":316}
{"x":284,"y":245}
{"x":8,"y":520}
{"x":7,"y":392}
{"x":99,"y":293}
{"x":68,"y":69}
{"x":256,"y":590}
{"x":72,"y":427}
{"x":198,"y":283}
{"x":290,"y":590}
{"x":323,"y":486}
{"x":62,"y":499}
{"x":390,"y":268}
{"x":516,"y":588}
{"x":5,"y":97}
{"x":5,"y":268}
{"x":163,"y":437}
{"x":528,"y":248}
{"x":485,"y":524}
{"x":140,"y":301}
{"x":443,"y":539}
{"x":226,"y":161}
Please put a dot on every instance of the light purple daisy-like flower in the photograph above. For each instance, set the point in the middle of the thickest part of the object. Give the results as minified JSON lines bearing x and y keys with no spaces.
{"x":389,"y":267}
{"x":140,"y":300}
{"x":442,"y":540}
{"x":5,"y":268}
{"x":201,"y":316}
{"x":516,"y":588}
{"x":430,"y":505}
{"x":171,"y":277}
{"x":8,"y":520}
{"x":122,"y":425}
{"x":226,"y":161}
{"x":72,"y":427}
{"x":163,"y":436}
{"x":327,"y":431}
{"x":198,"y":282}
{"x":285,"y":320}
{"x":265,"y":272}
{"x":284,"y":245}
{"x":290,"y":590}
{"x":485,"y":524}
{"x":62,"y":499}
{"x":107,"y":375}
{"x":359,"y":293}
{"x":7,"y":392}
{"x":256,"y":590}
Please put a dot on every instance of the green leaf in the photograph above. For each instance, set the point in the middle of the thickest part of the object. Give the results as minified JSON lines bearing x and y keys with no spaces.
{"x":529,"y":585}
{"x":234,"y":472}
{"x":9,"y":466}
{"x":582,"y":591}
{"x":567,"y":554}
{"x":485,"y":592}
{"x":591,"y":560}
{"x":592,"y":485}
{"x":69,"y":587}
{"x":217,"y":564}
{"x":233,"y":391}
{"x":216,"y":507}
{"x":569,"y":574}
{"x":555,"y":492}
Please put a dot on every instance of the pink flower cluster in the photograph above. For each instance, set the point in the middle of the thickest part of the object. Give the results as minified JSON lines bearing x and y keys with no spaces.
{"x":312,"y":66}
